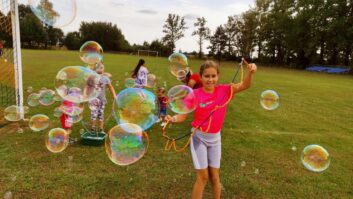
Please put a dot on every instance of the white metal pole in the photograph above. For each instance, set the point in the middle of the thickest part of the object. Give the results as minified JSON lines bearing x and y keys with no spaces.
{"x":17,"y":55}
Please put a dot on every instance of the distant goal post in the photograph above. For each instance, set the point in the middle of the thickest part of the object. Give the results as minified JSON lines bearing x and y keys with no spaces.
{"x":153,"y":53}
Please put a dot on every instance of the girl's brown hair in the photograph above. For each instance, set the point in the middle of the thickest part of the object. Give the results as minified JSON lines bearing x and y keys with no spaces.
{"x":209,"y":64}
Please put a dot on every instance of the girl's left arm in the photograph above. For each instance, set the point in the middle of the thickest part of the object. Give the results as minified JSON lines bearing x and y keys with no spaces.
{"x":112,"y":90}
{"x":252,"y":68}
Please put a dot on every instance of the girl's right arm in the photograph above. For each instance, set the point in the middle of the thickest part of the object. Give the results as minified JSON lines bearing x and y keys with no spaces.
{"x":176,"y":118}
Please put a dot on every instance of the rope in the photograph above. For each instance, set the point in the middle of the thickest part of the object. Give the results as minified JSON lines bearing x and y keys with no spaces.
{"x":171,"y":142}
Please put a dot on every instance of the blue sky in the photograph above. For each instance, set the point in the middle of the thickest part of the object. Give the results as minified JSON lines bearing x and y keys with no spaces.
{"x":143,"y":20}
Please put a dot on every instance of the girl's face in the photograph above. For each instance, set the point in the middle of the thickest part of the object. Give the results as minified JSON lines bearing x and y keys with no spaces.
{"x":209,"y":78}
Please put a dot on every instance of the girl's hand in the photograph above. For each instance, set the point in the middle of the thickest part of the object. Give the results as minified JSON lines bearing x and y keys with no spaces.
{"x":168,"y":118}
{"x":252,"y":68}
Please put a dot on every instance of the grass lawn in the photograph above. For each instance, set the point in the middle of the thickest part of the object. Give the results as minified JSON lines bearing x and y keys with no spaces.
{"x":315,"y":108}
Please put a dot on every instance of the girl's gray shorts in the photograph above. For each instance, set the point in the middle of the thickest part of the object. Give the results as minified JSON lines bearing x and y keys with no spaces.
{"x":206,"y":150}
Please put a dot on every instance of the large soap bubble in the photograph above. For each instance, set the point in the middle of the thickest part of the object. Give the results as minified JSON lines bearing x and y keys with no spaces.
{"x":177,"y":62}
{"x":181,"y":99}
{"x":91,"y":53}
{"x":54,"y":13}
{"x":269,"y":100}
{"x":137,"y":106}
{"x":77,"y":84}
{"x":57,"y":140}
{"x":315,"y":158}
{"x":125,"y":144}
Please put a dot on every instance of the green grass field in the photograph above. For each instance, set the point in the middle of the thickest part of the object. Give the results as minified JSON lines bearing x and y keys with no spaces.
{"x":315,"y":109}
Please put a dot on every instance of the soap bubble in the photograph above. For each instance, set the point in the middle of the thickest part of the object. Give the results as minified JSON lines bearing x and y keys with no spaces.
{"x":125,"y":144}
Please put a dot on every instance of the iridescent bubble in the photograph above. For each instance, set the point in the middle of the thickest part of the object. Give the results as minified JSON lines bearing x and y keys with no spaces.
{"x":57,"y":112}
{"x":77,"y":84}
{"x":20,"y":130}
{"x":33,"y":99}
{"x":294,"y":148}
{"x":39,"y":122}
{"x":125,"y":144}
{"x":181,"y":99}
{"x":137,"y":106}
{"x":91,"y":53}
{"x":25,"y":109}
{"x":77,"y":118}
{"x":29,"y":89}
{"x":47,"y":97}
{"x":57,"y":140}
{"x":269,"y":100}
{"x":57,"y":97}
{"x":315,"y":158}
{"x":54,"y":13}
{"x":71,"y":109}
{"x":129,"y":82}
{"x":151,"y":80}
{"x":12,"y":113}
{"x":181,"y":75}
{"x":177,"y":62}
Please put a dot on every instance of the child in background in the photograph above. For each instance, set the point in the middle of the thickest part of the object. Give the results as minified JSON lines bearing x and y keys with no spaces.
{"x":65,"y":119}
{"x":97,"y":104}
{"x":162,"y":104}
{"x":140,"y":74}
{"x":209,"y":115}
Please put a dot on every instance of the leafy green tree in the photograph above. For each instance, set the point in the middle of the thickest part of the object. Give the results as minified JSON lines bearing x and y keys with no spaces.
{"x":218,"y":43}
{"x":174,"y":30}
{"x":109,"y":36}
{"x":202,"y":32}
{"x":73,"y":40}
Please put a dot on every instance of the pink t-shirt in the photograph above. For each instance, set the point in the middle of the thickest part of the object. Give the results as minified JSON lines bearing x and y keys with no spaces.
{"x":206,"y":103}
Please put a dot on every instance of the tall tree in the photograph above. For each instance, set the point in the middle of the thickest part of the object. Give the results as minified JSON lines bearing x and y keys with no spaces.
{"x":202,"y":32}
{"x":247,"y":33}
{"x":73,"y":40}
{"x":231,"y":29}
{"x":55,"y":36}
{"x":218,"y":42}
{"x":109,"y":36}
{"x":174,"y":30}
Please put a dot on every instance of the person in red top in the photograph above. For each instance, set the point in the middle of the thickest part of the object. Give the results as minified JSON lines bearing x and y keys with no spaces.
{"x":192,"y":80}
{"x":65,"y":119}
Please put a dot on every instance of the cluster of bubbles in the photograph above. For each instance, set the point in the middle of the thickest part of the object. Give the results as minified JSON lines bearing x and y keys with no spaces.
{"x":315,"y":158}
{"x":125,"y":144}
{"x":136,"y":106}
{"x":54,"y":13}
{"x":45,"y":97}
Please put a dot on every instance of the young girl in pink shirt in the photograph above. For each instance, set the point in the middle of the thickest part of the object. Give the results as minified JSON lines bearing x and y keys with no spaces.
{"x":209,"y":114}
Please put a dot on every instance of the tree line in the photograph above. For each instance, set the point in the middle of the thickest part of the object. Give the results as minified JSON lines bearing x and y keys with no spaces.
{"x":295,"y":33}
